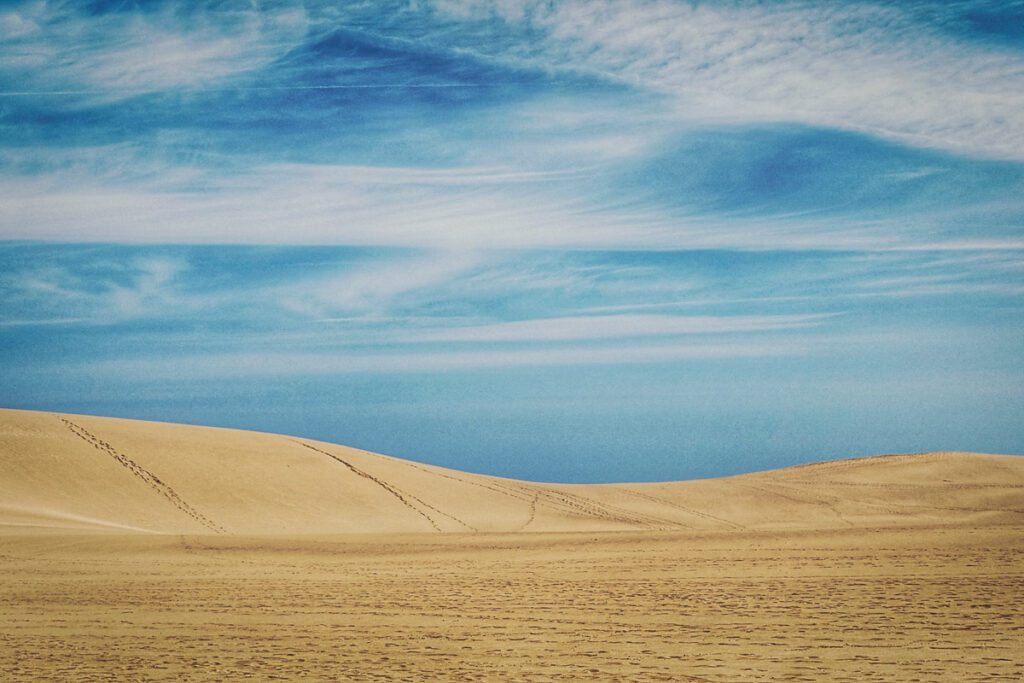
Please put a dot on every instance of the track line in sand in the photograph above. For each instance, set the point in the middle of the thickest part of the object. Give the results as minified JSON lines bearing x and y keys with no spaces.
{"x":589,"y":507}
{"x":816,"y":500}
{"x":60,"y":516}
{"x":142,"y":473}
{"x":530,"y":495}
{"x":533,"y":513}
{"x":400,"y":495}
{"x":421,"y":501}
{"x":558,"y":501}
{"x":488,"y":487}
{"x":697,"y":513}
{"x":536,"y":496}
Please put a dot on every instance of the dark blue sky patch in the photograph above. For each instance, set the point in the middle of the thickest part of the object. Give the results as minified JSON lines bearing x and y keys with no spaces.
{"x":781,"y":170}
{"x":992,"y":23}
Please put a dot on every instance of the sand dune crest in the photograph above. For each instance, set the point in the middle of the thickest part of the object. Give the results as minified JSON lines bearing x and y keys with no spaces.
{"x":79,"y":472}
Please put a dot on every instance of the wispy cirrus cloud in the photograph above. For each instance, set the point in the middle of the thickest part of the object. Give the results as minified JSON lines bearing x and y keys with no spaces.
{"x":77,"y":50}
{"x":374,"y":288}
{"x":269,"y":365}
{"x":661,"y":125}
{"x":865,"y":67}
{"x":647,"y":207}
{"x":105,"y":291}
{"x":616,"y":327}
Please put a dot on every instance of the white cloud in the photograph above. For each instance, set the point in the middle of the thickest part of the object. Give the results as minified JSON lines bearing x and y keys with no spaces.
{"x":15,"y":25}
{"x":108,"y":56}
{"x":616,"y":326}
{"x":934,"y":285}
{"x":726,"y":62}
{"x":860,"y":67}
{"x":372,"y":288}
{"x":298,"y":204}
{"x":37,"y":322}
{"x":140,"y":287}
{"x":151,"y":288}
{"x":283,"y":364}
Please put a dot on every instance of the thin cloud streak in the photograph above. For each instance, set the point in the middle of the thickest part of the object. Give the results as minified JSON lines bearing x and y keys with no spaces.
{"x":617,"y":326}
{"x":296,"y":204}
{"x":239,"y":88}
{"x":297,"y":365}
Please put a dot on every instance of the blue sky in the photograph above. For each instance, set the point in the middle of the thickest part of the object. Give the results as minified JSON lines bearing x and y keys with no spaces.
{"x":576,"y":241}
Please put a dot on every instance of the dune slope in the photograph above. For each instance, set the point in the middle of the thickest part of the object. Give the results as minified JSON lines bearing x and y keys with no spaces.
{"x":71,"y":472}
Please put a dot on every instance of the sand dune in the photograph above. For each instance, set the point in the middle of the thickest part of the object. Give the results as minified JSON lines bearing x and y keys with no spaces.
{"x":71,"y":472}
{"x":281,"y":558}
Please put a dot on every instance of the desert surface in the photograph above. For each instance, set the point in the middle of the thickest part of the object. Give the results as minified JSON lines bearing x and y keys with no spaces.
{"x":148,"y":551}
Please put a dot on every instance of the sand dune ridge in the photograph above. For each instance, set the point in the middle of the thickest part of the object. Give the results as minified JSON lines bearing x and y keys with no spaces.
{"x":92,"y":473}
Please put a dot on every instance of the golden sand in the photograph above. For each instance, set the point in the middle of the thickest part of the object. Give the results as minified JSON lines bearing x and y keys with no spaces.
{"x":144,"y":551}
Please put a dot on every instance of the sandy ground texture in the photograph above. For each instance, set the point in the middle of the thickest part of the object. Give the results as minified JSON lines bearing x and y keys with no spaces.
{"x":143,"y":551}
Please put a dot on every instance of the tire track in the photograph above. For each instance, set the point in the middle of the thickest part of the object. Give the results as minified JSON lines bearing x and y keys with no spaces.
{"x":400,"y":495}
{"x":142,"y":473}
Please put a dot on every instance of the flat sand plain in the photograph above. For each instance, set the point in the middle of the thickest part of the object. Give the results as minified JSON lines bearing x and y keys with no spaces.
{"x":136,"y":551}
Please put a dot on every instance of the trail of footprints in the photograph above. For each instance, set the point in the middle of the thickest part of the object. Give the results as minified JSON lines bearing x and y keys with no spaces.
{"x":533,"y":513}
{"x":405,"y":497}
{"x":691,"y":511}
{"x":534,"y":495}
{"x":142,"y":473}
{"x":561,"y":502}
